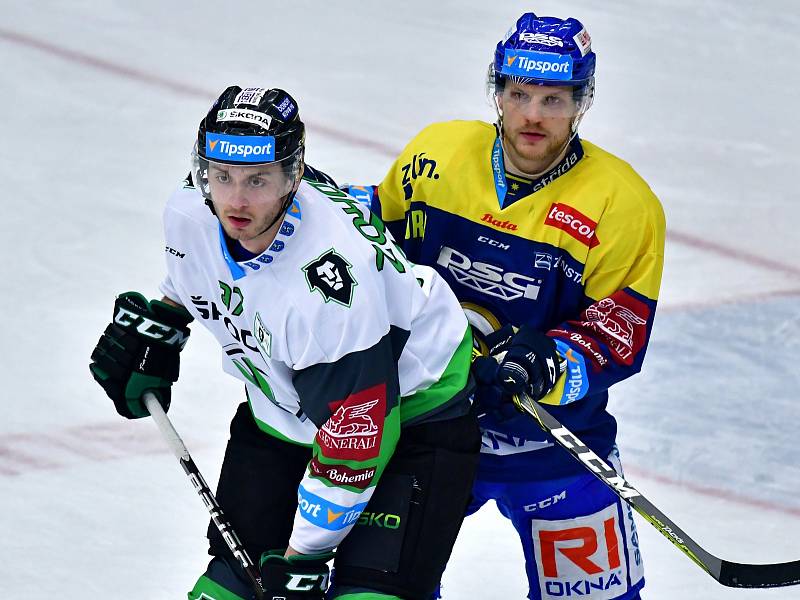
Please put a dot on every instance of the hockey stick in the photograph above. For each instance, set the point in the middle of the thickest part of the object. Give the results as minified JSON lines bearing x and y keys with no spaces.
{"x":178,"y":448}
{"x":731,"y":574}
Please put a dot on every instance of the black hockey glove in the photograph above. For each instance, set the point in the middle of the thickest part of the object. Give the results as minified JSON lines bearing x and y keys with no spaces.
{"x":490,"y":397}
{"x":495,"y":345}
{"x":139,"y":352}
{"x":531,"y":363}
{"x":299,"y":577}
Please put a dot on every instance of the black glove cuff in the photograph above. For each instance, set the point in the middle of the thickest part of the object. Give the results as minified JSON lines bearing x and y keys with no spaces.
{"x":531,"y":339}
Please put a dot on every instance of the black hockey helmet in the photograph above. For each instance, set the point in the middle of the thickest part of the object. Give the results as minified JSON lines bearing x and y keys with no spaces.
{"x":250,"y":126}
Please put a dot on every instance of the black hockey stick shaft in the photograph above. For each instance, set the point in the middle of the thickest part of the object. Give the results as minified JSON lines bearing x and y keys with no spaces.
{"x":178,"y":448}
{"x":727,"y":573}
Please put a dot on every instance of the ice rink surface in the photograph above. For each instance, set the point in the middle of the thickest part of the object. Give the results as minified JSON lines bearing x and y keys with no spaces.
{"x":101,"y":101}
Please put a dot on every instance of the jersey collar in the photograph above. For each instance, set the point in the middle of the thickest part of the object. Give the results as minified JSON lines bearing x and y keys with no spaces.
{"x":573,"y":155}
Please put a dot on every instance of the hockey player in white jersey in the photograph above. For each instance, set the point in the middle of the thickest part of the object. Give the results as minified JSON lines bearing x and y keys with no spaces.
{"x":357,"y":433}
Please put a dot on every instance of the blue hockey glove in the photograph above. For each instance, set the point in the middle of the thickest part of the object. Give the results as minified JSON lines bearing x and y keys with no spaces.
{"x":299,"y":577}
{"x":139,"y":352}
{"x":531,"y":363}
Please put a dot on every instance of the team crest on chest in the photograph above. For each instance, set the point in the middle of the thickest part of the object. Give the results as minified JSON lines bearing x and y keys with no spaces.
{"x":330,"y":276}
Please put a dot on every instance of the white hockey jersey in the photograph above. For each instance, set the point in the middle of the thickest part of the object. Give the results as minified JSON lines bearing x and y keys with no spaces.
{"x":338,"y":338}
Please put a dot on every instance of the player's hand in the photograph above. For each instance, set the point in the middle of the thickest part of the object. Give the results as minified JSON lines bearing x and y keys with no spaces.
{"x":298,"y":577}
{"x":490,"y":397}
{"x":531,"y":363}
{"x":139,"y":352}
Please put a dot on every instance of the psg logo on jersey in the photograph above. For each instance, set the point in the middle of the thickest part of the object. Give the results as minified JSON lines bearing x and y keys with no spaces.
{"x":330,"y":276}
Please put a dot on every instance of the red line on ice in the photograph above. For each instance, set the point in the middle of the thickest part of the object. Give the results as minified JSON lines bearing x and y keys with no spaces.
{"x":702,"y":490}
{"x":21,"y":453}
{"x":732,"y":253}
{"x":90,"y":60}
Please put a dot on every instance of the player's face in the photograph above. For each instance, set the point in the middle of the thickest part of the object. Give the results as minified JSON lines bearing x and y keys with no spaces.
{"x":537,"y":122}
{"x":247,"y":199}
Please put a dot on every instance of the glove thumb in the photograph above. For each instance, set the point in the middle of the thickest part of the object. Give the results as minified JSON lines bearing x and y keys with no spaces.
{"x":512,"y":377}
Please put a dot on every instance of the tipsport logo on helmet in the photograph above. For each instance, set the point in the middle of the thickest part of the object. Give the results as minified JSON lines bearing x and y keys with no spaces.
{"x":538,"y":65}
{"x":240,"y":148}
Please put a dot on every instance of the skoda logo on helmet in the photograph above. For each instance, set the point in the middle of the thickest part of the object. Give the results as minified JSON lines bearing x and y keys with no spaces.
{"x":246,"y":116}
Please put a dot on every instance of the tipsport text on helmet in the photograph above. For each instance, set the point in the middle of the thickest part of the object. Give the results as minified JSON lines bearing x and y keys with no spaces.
{"x":243,"y":148}
{"x":532,"y":64}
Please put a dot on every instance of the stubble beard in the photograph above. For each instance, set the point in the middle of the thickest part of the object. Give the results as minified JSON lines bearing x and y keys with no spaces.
{"x":254,"y":230}
{"x":532,"y":160}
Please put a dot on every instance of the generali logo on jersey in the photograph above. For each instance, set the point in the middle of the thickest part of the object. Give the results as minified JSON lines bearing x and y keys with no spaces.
{"x":354,"y":430}
{"x":621,"y":321}
{"x":574,"y":222}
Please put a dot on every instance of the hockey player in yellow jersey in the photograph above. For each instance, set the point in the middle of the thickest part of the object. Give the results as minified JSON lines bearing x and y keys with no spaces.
{"x":554,"y":248}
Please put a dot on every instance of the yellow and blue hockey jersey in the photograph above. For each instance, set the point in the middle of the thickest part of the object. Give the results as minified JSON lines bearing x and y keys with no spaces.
{"x":577,"y":253}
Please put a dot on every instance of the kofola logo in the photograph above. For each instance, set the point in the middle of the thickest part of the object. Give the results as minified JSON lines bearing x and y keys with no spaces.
{"x":575,"y":223}
{"x":240,"y":148}
{"x":543,"y":65}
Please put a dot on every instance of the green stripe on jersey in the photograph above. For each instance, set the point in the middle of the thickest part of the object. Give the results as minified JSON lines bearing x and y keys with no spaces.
{"x":452,"y":381}
{"x":263,"y":426}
